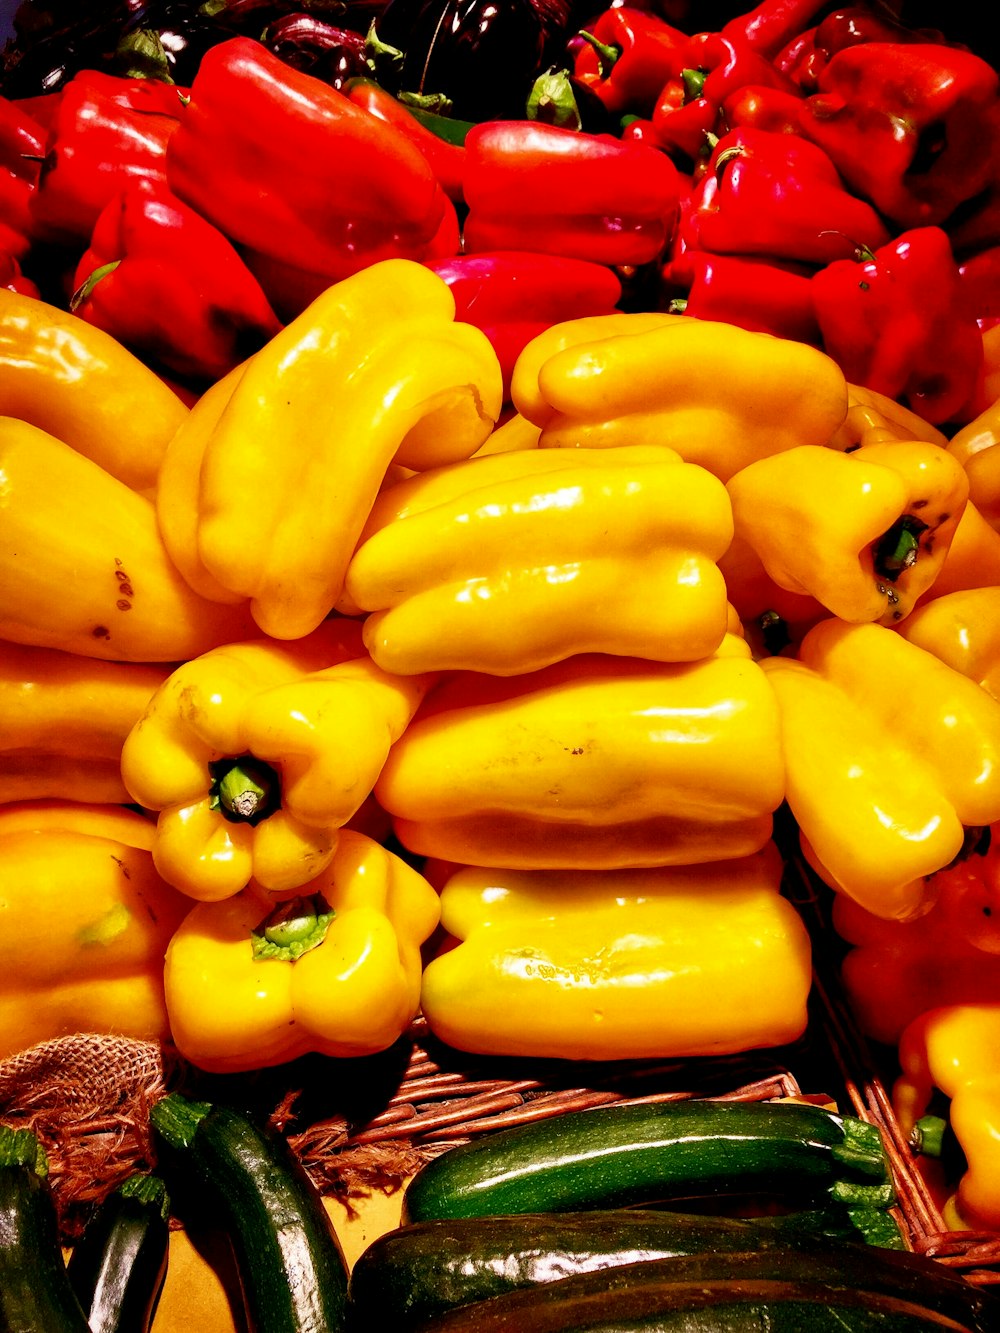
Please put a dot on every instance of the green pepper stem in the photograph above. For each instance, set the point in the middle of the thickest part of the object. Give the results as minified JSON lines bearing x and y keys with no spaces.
{"x":927,"y":1135}
{"x":245,"y":790}
{"x":607,"y":55}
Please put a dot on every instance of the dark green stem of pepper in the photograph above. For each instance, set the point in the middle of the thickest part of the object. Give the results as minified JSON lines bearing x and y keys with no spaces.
{"x":897,"y":549}
{"x":244,"y":790}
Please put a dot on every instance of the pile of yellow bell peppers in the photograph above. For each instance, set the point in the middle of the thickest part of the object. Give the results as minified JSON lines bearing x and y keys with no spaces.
{"x":359,"y":686}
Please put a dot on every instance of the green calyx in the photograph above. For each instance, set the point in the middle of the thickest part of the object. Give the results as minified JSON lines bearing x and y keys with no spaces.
{"x":244,"y":790}
{"x":694,"y":83}
{"x":293,"y":928}
{"x":897,"y":549}
{"x":552,"y":100}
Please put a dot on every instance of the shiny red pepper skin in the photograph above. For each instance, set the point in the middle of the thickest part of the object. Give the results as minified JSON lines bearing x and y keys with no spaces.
{"x":761,"y":108}
{"x":773,"y":24}
{"x":806,"y":57}
{"x":640,"y":51}
{"x":13,"y":280}
{"x":170,"y":287}
{"x":447,"y":160}
{"x":531,"y":186}
{"x":754,"y":294}
{"x":106,"y":131}
{"x":775,"y":195}
{"x":911,"y":127}
{"x":980,"y":276}
{"x":897,"y":321}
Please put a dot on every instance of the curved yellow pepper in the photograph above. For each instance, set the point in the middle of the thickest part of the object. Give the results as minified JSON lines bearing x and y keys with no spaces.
{"x":890,"y":754}
{"x":620,"y":964}
{"x":336,"y":971}
{"x":962,"y":629}
{"x":874,"y":418}
{"x":78,"y":383}
{"x":83,"y":567}
{"x":375,"y":370}
{"x":975,"y":447}
{"x":866,"y":533}
{"x":256,"y":754}
{"x":507,"y":563}
{"x":594,"y":762}
{"x":84,"y":924}
{"x":722,"y":396}
{"x":63,"y":721}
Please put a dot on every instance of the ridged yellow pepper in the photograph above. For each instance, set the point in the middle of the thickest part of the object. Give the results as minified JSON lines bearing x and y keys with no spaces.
{"x":84,"y":924}
{"x":890,"y":754}
{"x":593,"y":762}
{"x":874,"y":418}
{"x":722,"y":396}
{"x":955,"y":1050}
{"x":375,"y":370}
{"x":962,"y":629}
{"x":76,"y":382}
{"x":866,"y":533}
{"x":507,"y":563}
{"x":63,"y":721}
{"x":619,"y":964}
{"x":256,"y":754}
{"x":83,"y":567}
{"x":334,"y":971}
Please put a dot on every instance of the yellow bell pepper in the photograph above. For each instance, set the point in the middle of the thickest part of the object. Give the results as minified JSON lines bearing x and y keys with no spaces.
{"x":865,"y":533}
{"x":375,"y":370}
{"x":593,"y":762}
{"x":619,"y":964}
{"x":83,"y":567}
{"x":256,"y":754}
{"x":890,"y":754}
{"x":962,"y":629}
{"x":507,"y":563}
{"x":874,"y":418}
{"x":335,"y":971}
{"x":975,"y":447}
{"x":63,"y":721}
{"x":84,"y":924}
{"x":973,"y":559}
{"x":722,"y":396}
{"x":78,"y":383}
{"x":956,"y":1050}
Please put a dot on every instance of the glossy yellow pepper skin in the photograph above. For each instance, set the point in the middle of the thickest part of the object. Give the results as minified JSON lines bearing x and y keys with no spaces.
{"x":890,"y":754}
{"x":962,"y":629}
{"x":508,"y":563}
{"x":63,"y":721}
{"x":84,"y":924}
{"x":720,"y":395}
{"x":873,"y":418}
{"x":83,"y":567}
{"x":255,"y":756}
{"x":619,"y":964}
{"x":866,"y":533}
{"x":352,"y":990}
{"x":954,"y":1049}
{"x":78,"y":383}
{"x":375,"y":370}
{"x":975,"y":447}
{"x":593,"y":762}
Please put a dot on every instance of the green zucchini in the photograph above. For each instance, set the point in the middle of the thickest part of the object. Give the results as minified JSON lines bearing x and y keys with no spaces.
{"x":118,"y":1266}
{"x":291,"y":1269}
{"x":418,"y":1271}
{"x":780,"y":1290}
{"x":648,"y":1152}
{"x":35,"y":1291}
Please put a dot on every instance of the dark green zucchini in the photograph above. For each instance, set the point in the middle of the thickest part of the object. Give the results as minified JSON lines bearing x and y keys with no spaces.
{"x":291,"y":1268}
{"x":118,"y":1266}
{"x":780,"y":1290}
{"x":419,"y":1271}
{"x":35,"y":1291}
{"x":622,"y":1155}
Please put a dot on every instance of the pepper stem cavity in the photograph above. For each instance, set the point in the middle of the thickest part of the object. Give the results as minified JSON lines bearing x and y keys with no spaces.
{"x":897,"y":549}
{"x":244,"y":790}
{"x":292,"y":928}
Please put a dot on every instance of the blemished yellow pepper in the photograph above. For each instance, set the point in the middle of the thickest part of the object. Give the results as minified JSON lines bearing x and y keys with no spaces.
{"x":962,"y":629}
{"x":722,"y":396}
{"x":84,"y":924}
{"x":593,"y":762}
{"x":874,"y":418}
{"x":866,"y":533}
{"x":507,"y":563}
{"x":956,"y":1050}
{"x":256,"y":754}
{"x":619,"y":964}
{"x":890,"y":754}
{"x":83,"y":567}
{"x":334,"y":971}
{"x":63,"y":721}
{"x":376,"y":370}
{"x":78,"y":383}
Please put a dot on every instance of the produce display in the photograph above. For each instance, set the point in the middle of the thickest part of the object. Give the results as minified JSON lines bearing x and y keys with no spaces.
{"x":493,"y":499}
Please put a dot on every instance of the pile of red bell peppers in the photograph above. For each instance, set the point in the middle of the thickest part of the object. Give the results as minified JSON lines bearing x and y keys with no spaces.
{"x":822,"y":173}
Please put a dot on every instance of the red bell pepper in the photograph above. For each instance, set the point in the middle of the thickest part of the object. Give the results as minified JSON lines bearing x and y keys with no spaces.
{"x":106,"y":131}
{"x":22,"y":147}
{"x":12,"y":279}
{"x":911,"y":127}
{"x":682,"y":127}
{"x":761,"y":108}
{"x":898,"y":321}
{"x":754,"y":294}
{"x":446,"y":158}
{"x":293,"y":170}
{"x":980,"y":276}
{"x":777,"y":195}
{"x":513,"y":295}
{"x":626,"y":57}
{"x":805,"y":58}
{"x":531,"y":186}
{"x":773,"y":24}
{"x":170,"y":287}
